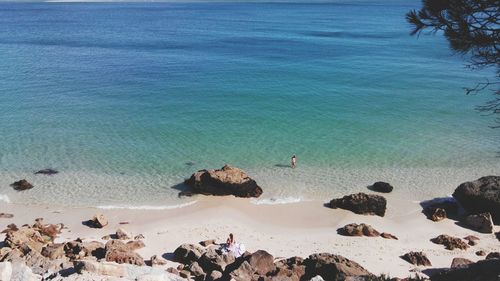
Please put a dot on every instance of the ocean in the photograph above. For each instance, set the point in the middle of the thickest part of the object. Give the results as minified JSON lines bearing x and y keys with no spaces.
{"x":127,"y":100}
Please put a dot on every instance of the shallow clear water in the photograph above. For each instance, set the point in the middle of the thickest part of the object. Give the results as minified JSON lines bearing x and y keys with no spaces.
{"x":128,"y":99}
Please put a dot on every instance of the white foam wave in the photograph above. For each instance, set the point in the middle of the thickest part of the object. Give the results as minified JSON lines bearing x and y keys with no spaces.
{"x":4,"y":198}
{"x":145,"y":207}
{"x":274,"y":201}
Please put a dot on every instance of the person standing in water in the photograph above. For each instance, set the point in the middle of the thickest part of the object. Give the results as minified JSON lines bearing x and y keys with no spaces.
{"x":294,"y":161}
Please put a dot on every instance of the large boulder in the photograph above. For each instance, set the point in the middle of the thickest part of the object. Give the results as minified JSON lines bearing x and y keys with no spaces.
{"x":381,"y":186}
{"x":262,"y":262}
{"x":354,"y":229}
{"x":332,"y":267}
{"x":417,"y":258}
{"x":480,"y":196}
{"x":21,"y":185}
{"x":480,"y":222}
{"x":188,"y":253}
{"x":117,"y":251}
{"x":450,"y":242}
{"x":225,"y":181}
{"x":483,"y":270}
{"x":244,"y":272}
{"x":361,"y":203}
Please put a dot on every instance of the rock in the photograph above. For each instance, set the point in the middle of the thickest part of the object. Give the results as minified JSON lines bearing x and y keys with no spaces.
{"x":317,"y":278}
{"x":483,"y":270}
{"x":101,"y":268}
{"x":417,"y":258}
{"x":135,"y":245}
{"x":481,"y":222}
{"x":17,"y":272}
{"x":46,"y":172}
{"x":185,"y":274}
{"x":262,"y":262}
{"x":493,"y":255}
{"x":14,"y":255}
{"x":214,"y":275}
{"x":122,"y":234}
{"x":26,"y":237}
{"x":450,"y":242}
{"x":497,"y":235}
{"x":54,"y":251}
{"x":138,"y":237}
{"x":381,"y":186}
{"x":48,"y":231}
{"x":460,"y":262}
{"x":41,"y":265}
{"x":74,"y":250}
{"x":354,"y":229}
{"x":480,"y":196}
{"x":244,"y":272}
{"x":207,"y":243}
{"x":94,"y":248}
{"x":435,"y":214}
{"x":291,"y":269}
{"x":188,"y":253}
{"x":226,"y":181}
{"x":21,"y":185}
{"x":471,"y":240}
{"x":481,"y":253}
{"x":157,"y":261}
{"x":196,"y":269}
{"x":98,"y":221}
{"x":332,"y":267}
{"x":6,"y":216}
{"x":173,"y":270}
{"x":10,"y":227}
{"x":388,"y":236}
{"x":117,"y":251}
{"x":212,"y":260}
{"x":361,"y":203}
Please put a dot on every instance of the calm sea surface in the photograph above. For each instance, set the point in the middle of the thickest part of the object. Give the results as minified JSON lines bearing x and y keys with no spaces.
{"x":128,"y":99}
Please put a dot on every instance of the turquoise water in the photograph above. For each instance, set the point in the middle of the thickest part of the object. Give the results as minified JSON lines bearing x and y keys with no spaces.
{"x":128,"y":99}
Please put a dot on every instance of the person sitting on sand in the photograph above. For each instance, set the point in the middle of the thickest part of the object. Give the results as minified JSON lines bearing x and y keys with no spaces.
{"x":230,"y":243}
{"x":294,"y":161}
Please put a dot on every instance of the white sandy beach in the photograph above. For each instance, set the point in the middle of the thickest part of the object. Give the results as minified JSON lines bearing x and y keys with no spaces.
{"x":284,"y":230}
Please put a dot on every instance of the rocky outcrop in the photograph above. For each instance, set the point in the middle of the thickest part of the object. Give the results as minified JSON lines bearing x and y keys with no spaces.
{"x":291,"y":269}
{"x":213,"y":259}
{"x":417,"y":258}
{"x":481,"y":196}
{"x":225,"y":181}
{"x":381,"y":186}
{"x":21,"y":185}
{"x":460,"y":262}
{"x":450,"y":242}
{"x":48,"y":172}
{"x":25,"y":237}
{"x":123,"y":271}
{"x":480,"y":222}
{"x":262,"y":262}
{"x":361,"y":203}
{"x":117,"y":251}
{"x":354,"y":229}
{"x":332,"y":267}
{"x":483,"y":270}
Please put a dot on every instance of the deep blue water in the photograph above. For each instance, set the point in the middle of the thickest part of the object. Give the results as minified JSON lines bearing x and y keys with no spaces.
{"x":120,"y":96}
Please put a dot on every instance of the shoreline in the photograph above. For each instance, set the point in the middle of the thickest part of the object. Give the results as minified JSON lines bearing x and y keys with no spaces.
{"x":284,"y":230}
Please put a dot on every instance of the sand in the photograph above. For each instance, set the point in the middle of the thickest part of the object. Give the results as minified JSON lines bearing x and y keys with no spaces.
{"x":284,"y":230}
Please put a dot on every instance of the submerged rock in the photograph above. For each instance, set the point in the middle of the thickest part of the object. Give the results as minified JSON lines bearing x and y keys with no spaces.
{"x":46,"y":172}
{"x":361,"y":203}
{"x":225,"y":181}
{"x":381,"y":186}
{"x":22,"y":185}
{"x":480,"y":196}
